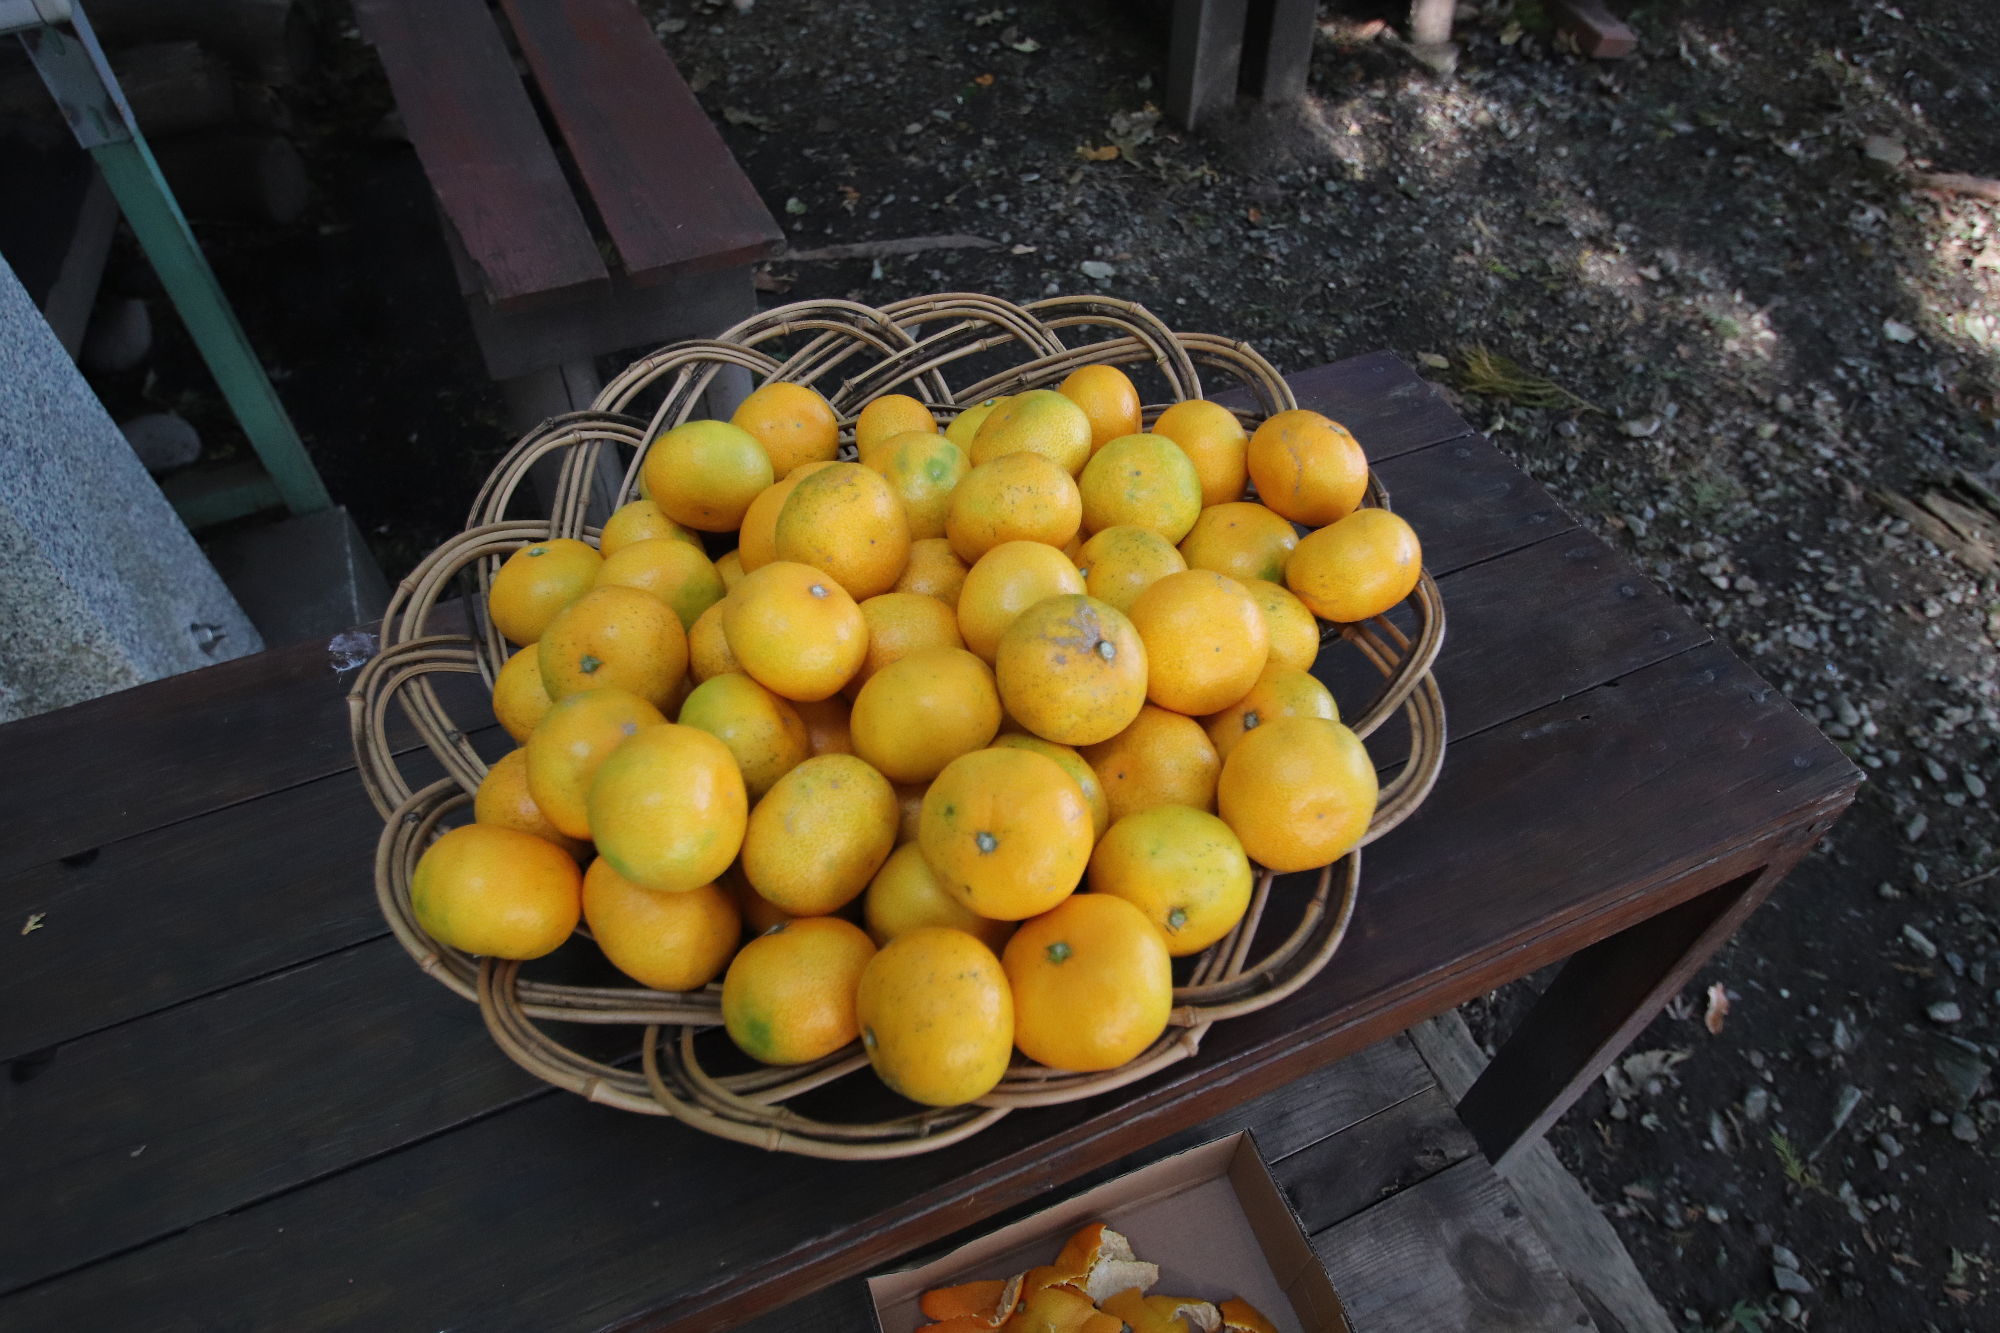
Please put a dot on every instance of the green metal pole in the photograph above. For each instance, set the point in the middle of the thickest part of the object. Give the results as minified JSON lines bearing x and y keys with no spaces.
{"x":163,"y":233}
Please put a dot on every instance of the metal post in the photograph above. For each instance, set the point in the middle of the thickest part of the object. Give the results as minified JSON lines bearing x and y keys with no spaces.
{"x":74,"y":68}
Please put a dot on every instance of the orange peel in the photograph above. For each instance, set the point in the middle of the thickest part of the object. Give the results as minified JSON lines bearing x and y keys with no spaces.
{"x":1102,"y":1263}
{"x":1239,"y":1316}
{"x":1162,"y":1314}
{"x":972,"y":1305}
{"x":1062,"y":1309}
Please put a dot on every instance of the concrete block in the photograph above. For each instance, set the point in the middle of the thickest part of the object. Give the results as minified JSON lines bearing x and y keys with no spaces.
{"x":104,"y":587}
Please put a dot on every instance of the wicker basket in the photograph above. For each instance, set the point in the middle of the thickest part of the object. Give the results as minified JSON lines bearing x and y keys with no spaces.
{"x":851,"y":353}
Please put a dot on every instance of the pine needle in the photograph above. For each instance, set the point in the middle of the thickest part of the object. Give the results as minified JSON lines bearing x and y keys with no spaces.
{"x":1793,"y":1165}
{"x":1491,"y":375}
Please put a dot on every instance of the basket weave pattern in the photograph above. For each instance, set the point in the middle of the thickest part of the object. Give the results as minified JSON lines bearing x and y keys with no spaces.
{"x":851,"y":353}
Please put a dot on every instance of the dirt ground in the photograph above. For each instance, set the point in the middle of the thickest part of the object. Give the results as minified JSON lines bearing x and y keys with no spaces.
{"x":1720,"y":248}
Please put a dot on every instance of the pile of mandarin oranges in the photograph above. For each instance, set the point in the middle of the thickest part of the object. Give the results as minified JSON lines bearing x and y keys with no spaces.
{"x":956,"y":747}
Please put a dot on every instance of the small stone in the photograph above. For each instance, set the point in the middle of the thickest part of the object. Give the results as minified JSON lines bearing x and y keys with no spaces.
{"x":1789,"y":1308}
{"x":1919,"y":941}
{"x":1881,"y":148}
{"x":1888,"y":1143}
{"x":119,"y":337}
{"x":1914,"y":830}
{"x":1945,"y":1011}
{"x":1640,"y":428}
{"x":1975,"y":786}
{"x":1097,"y":270}
{"x":1790,"y":1279}
{"x":1782,"y":1257}
{"x":1963,"y":1129}
{"x":1898,"y":332}
{"x":1756,"y":1104}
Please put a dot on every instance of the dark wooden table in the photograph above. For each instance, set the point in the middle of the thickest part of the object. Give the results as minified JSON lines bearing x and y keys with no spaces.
{"x":235,"y":1104}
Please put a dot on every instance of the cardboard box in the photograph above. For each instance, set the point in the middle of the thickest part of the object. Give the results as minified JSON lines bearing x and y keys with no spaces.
{"x":1211,"y":1217}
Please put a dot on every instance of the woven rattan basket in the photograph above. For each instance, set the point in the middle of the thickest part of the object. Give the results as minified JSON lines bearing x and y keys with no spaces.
{"x":851,"y":353}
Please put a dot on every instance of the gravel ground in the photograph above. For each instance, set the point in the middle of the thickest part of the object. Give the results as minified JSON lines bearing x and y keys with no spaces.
{"x":1771,"y":336}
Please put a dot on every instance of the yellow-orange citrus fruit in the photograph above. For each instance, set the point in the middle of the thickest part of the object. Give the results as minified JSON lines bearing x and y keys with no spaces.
{"x":820,"y":834}
{"x":1294,"y":632}
{"x":537,"y":582}
{"x":762,"y":731}
{"x":520,"y":701}
{"x":795,"y":630}
{"x":503,"y":800}
{"x":1163,"y":758}
{"x":965,"y":426}
{"x":921,"y":712}
{"x":1299,"y":792}
{"x":730,"y":565}
{"x":1107,"y":397}
{"x":1180,"y":866}
{"x":668,"y":941}
{"x":1006,"y":831}
{"x":614,"y":638}
{"x":1206,"y":641}
{"x":496,"y":891}
{"x":899,"y":623}
{"x":788,"y":997}
{"x":1003,"y":583}
{"x":757,"y":539}
{"x":1093,"y":984}
{"x":1215,"y":442}
{"x":667,"y":808}
{"x":937,"y":1017}
{"x":1022,"y":497}
{"x":885,"y":418}
{"x":1241,"y":539}
{"x":1143,"y":481}
{"x":678,"y":574}
{"x":1071,"y":669}
{"x":1282,"y":691}
{"x":640,"y":521}
{"x":1357,"y":567}
{"x":793,"y":423}
{"x":566,"y":749}
{"x":1308,"y":468}
{"x":844,"y":520}
{"x":1040,"y":421}
{"x":1120,"y":562}
{"x":934,"y":570}
{"x":704,"y":474}
{"x":708,"y":647}
{"x":829,"y":724}
{"x":1072,"y":763}
{"x":905,"y":895}
{"x":923,"y":471}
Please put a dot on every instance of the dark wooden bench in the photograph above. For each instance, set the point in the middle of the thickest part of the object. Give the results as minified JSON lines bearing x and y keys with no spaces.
{"x":677,"y":223}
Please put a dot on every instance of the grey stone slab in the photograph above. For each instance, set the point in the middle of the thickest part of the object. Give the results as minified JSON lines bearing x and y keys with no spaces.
{"x":105,"y":587}
{"x":308,"y":576}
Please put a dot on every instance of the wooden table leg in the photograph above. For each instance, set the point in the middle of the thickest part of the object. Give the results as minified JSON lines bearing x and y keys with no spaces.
{"x":534,"y":398}
{"x":1603,"y":998}
{"x":1204,"y":57}
{"x":1279,"y":47}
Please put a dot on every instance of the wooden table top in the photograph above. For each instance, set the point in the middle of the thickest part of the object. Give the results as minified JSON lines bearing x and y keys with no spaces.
{"x":235,"y":1103}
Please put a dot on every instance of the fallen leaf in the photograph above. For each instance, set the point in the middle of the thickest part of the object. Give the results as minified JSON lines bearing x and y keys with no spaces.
{"x":1022,"y":250}
{"x":1027,"y":46}
{"x":849,"y":197}
{"x":1718,"y":1008}
{"x":984,"y":80}
{"x":736,"y":115}
{"x":795,"y":206}
{"x":1255,"y":215}
{"x":34,"y":923}
{"x":1107,"y":153}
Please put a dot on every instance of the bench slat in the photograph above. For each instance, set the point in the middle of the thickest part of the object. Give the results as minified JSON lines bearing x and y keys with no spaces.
{"x":482,"y":147}
{"x":670,"y":193}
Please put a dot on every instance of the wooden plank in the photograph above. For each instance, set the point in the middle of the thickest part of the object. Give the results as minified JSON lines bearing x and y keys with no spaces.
{"x":80,"y":777}
{"x":1479,"y":887}
{"x":1378,"y":397}
{"x":353,"y":1251}
{"x":1579,"y":1237}
{"x":1389,"y":1151}
{"x":165,"y":1122}
{"x":1452,"y":1253}
{"x":482,"y":147}
{"x":670,"y":193}
{"x":1469,"y":502}
{"x":1204,"y":58}
{"x":192,"y":908}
